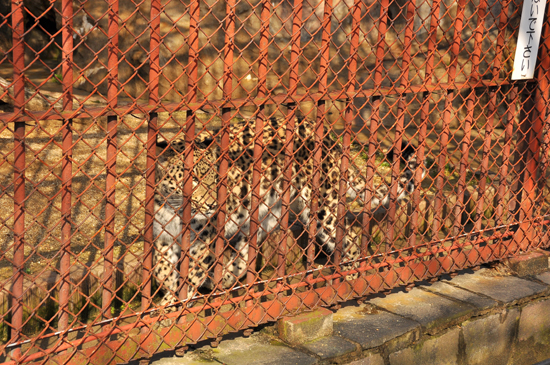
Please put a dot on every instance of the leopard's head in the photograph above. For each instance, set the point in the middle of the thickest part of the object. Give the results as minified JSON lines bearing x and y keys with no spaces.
{"x":170,"y":169}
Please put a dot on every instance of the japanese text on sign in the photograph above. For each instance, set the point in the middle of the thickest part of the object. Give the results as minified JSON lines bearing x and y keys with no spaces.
{"x":530,"y":28}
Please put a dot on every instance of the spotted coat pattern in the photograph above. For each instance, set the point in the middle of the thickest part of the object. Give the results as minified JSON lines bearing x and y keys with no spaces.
{"x":169,"y":200}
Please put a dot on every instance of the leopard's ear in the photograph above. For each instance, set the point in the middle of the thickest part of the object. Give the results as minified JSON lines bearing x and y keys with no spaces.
{"x":407,"y":150}
{"x":161,"y":143}
{"x":203,"y":140}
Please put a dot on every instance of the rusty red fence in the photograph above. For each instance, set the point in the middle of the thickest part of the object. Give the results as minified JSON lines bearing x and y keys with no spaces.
{"x":325,"y":150}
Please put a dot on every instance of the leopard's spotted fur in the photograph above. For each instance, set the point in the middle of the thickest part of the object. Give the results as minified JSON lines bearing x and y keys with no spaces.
{"x":169,"y":199}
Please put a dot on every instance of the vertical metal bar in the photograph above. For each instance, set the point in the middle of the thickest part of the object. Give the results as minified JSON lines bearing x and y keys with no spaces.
{"x":110,"y":210}
{"x":294,"y":78}
{"x":492,"y":114}
{"x":444,"y":138}
{"x":470,"y":104}
{"x":226,"y":121}
{"x":399,"y":127}
{"x":111,"y":178}
{"x":150,"y":175}
{"x":150,"y":172}
{"x":504,"y":187}
{"x":154,"y":53}
{"x":64,"y":262}
{"x":112,"y":54}
{"x":67,"y":52}
{"x":374,"y":125}
{"x":509,"y":116}
{"x":543,"y":91}
{"x":531,"y":155}
{"x":258,"y":144}
{"x":524,"y":235}
{"x":66,"y":168}
{"x":526,"y":105}
{"x":287,"y":181}
{"x":192,"y":76}
{"x":321,"y":116}
{"x":424,"y":116}
{"x":18,"y":53}
{"x":350,"y":90}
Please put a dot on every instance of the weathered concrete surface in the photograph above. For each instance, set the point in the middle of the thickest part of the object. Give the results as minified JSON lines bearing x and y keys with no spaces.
{"x":188,"y":359}
{"x":450,"y":291}
{"x":472,"y":319}
{"x":256,"y":350}
{"x":369,"y":359}
{"x":373,"y":330}
{"x":533,"y":344}
{"x":437,"y":350}
{"x":331,"y":347}
{"x":505,"y":289}
{"x":528,"y":264}
{"x":306,"y":326}
{"x":488,"y":339}
{"x":544,"y":277}
{"x":430,"y":310}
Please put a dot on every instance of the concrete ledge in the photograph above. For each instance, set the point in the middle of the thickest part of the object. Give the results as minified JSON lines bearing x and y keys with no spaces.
{"x":306,"y":326}
{"x":529,"y":264}
{"x":474,"y":318}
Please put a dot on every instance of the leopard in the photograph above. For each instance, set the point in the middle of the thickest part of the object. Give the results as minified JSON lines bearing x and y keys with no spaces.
{"x":169,"y":199}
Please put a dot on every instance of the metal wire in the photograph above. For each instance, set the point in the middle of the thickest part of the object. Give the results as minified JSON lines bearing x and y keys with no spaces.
{"x":173,"y":171}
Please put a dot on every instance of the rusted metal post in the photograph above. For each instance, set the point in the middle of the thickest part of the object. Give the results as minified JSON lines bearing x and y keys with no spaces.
{"x":150,"y":174}
{"x":223,"y":159}
{"x":18,"y":175}
{"x":258,"y":147}
{"x":425,"y":100}
{"x":469,"y":121}
{"x":444,"y":137}
{"x":111,"y":179}
{"x":349,"y":115}
{"x":189,"y":163}
{"x":375,"y":123}
{"x":534,"y":109}
{"x":322,"y":111}
{"x":399,"y":126}
{"x":294,"y":78}
{"x":66,"y":168}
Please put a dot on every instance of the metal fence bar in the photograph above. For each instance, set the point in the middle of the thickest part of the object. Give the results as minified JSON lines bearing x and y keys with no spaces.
{"x":18,"y":174}
{"x":315,"y":215}
{"x":150,"y":174}
{"x":399,"y":126}
{"x":425,"y":99}
{"x":375,"y":122}
{"x":66,"y":174}
{"x":444,"y":137}
{"x":293,"y":79}
{"x":526,"y":231}
{"x":212,"y":105}
{"x":543,"y":94}
{"x":112,"y":153}
{"x":192,"y":89}
{"x":258,"y":144}
{"x":349,"y":114}
{"x":492,"y":116}
{"x":466,"y":141}
{"x":223,"y":159}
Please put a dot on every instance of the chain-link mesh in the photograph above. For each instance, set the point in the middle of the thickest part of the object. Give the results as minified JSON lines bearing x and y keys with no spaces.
{"x":175,"y":170}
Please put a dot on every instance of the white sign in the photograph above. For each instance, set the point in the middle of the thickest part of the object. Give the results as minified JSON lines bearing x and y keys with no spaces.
{"x":527,"y":47}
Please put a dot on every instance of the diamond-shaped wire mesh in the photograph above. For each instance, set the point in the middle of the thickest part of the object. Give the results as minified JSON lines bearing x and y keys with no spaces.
{"x":175,"y":170}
